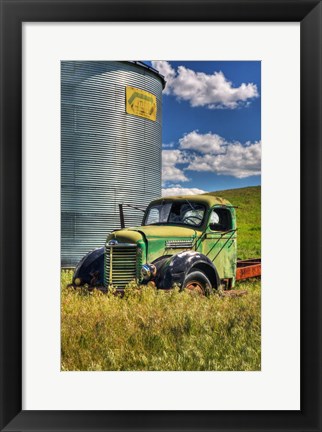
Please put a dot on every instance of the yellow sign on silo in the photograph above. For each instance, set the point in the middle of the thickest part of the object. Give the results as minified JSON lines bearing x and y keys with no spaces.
{"x":141,"y":103}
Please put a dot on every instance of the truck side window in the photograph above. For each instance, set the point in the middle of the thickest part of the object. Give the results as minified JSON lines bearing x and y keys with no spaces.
{"x":220,"y":220}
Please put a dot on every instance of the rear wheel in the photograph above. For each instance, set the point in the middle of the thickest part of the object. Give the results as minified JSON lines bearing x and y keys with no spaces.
{"x":197,"y":283}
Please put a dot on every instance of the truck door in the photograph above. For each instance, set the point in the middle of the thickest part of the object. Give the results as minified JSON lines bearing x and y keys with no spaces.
{"x":220,"y":241}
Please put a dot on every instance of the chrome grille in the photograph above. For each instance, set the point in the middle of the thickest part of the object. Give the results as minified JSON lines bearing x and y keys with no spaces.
{"x":120,"y":265}
{"x":178,"y":244}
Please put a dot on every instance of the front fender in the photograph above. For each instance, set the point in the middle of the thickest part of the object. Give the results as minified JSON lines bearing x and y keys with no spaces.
{"x":90,"y":269}
{"x":173,"y":270}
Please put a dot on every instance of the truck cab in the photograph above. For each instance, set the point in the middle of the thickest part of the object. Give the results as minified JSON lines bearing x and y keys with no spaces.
{"x":190,"y":241}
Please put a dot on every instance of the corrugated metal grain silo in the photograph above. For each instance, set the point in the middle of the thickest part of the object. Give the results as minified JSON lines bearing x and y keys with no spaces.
{"x":111,"y":114}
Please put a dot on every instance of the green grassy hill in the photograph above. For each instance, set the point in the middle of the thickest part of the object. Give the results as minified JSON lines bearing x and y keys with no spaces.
{"x":248,"y":201}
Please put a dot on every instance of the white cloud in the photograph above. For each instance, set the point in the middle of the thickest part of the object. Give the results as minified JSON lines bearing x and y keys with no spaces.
{"x":200,"y":89}
{"x":238,"y":161}
{"x":203,"y":143}
{"x":178,"y":190}
{"x":170,"y":172}
{"x":210,"y":153}
{"x":170,"y":145}
{"x":173,"y":173}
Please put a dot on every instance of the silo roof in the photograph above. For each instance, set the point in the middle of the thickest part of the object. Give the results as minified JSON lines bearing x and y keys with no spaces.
{"x":151,"y":69}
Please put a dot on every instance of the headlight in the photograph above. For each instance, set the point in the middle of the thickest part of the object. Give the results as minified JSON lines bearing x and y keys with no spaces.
{"x":148,"y":271}
{"x":112,"y":242}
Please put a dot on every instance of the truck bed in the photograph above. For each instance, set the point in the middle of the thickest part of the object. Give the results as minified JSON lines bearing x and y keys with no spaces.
{"x":248,"y":268}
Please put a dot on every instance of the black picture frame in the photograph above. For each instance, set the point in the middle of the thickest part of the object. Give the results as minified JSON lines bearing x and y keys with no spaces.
{"x":13,"y":14}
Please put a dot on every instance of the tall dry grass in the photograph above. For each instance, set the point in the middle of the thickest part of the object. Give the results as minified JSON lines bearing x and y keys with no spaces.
{"x":159,"y":331}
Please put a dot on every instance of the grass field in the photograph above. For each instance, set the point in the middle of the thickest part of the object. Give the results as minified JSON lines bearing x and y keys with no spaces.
{"x":154,"y":330}
{"x":248,"y":201}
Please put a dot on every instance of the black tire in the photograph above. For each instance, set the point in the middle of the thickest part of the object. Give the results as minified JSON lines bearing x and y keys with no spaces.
{"x":90,"y":269}
{"x":197,"y":282}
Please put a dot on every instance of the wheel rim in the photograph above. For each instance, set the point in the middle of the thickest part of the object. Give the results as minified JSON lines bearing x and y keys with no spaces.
{"x":195,"y":287}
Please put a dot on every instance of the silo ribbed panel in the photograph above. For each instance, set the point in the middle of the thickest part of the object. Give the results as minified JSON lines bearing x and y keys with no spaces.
{"x":107,"y":155}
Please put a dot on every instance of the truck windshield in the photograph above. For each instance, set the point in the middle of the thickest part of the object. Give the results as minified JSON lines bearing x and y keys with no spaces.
{"x":182,"y":213}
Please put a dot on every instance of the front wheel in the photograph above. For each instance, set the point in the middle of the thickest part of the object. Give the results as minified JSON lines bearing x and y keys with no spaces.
{"x":198,"y":283}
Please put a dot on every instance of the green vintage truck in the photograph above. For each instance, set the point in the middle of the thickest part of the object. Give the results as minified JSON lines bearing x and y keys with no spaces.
{"x":188,"y":241}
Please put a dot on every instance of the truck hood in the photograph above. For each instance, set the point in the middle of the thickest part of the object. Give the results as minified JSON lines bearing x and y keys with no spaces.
{"x":133,"y":234}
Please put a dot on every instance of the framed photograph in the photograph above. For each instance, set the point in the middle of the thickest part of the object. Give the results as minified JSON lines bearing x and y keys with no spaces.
{"x":204,"y":313}
{"x":132,"y":236}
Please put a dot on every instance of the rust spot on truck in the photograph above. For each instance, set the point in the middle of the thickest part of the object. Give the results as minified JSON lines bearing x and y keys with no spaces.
{"x":248,"y":268}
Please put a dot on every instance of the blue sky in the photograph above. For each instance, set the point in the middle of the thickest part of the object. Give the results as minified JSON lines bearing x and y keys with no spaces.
{"x":211,"y":125}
